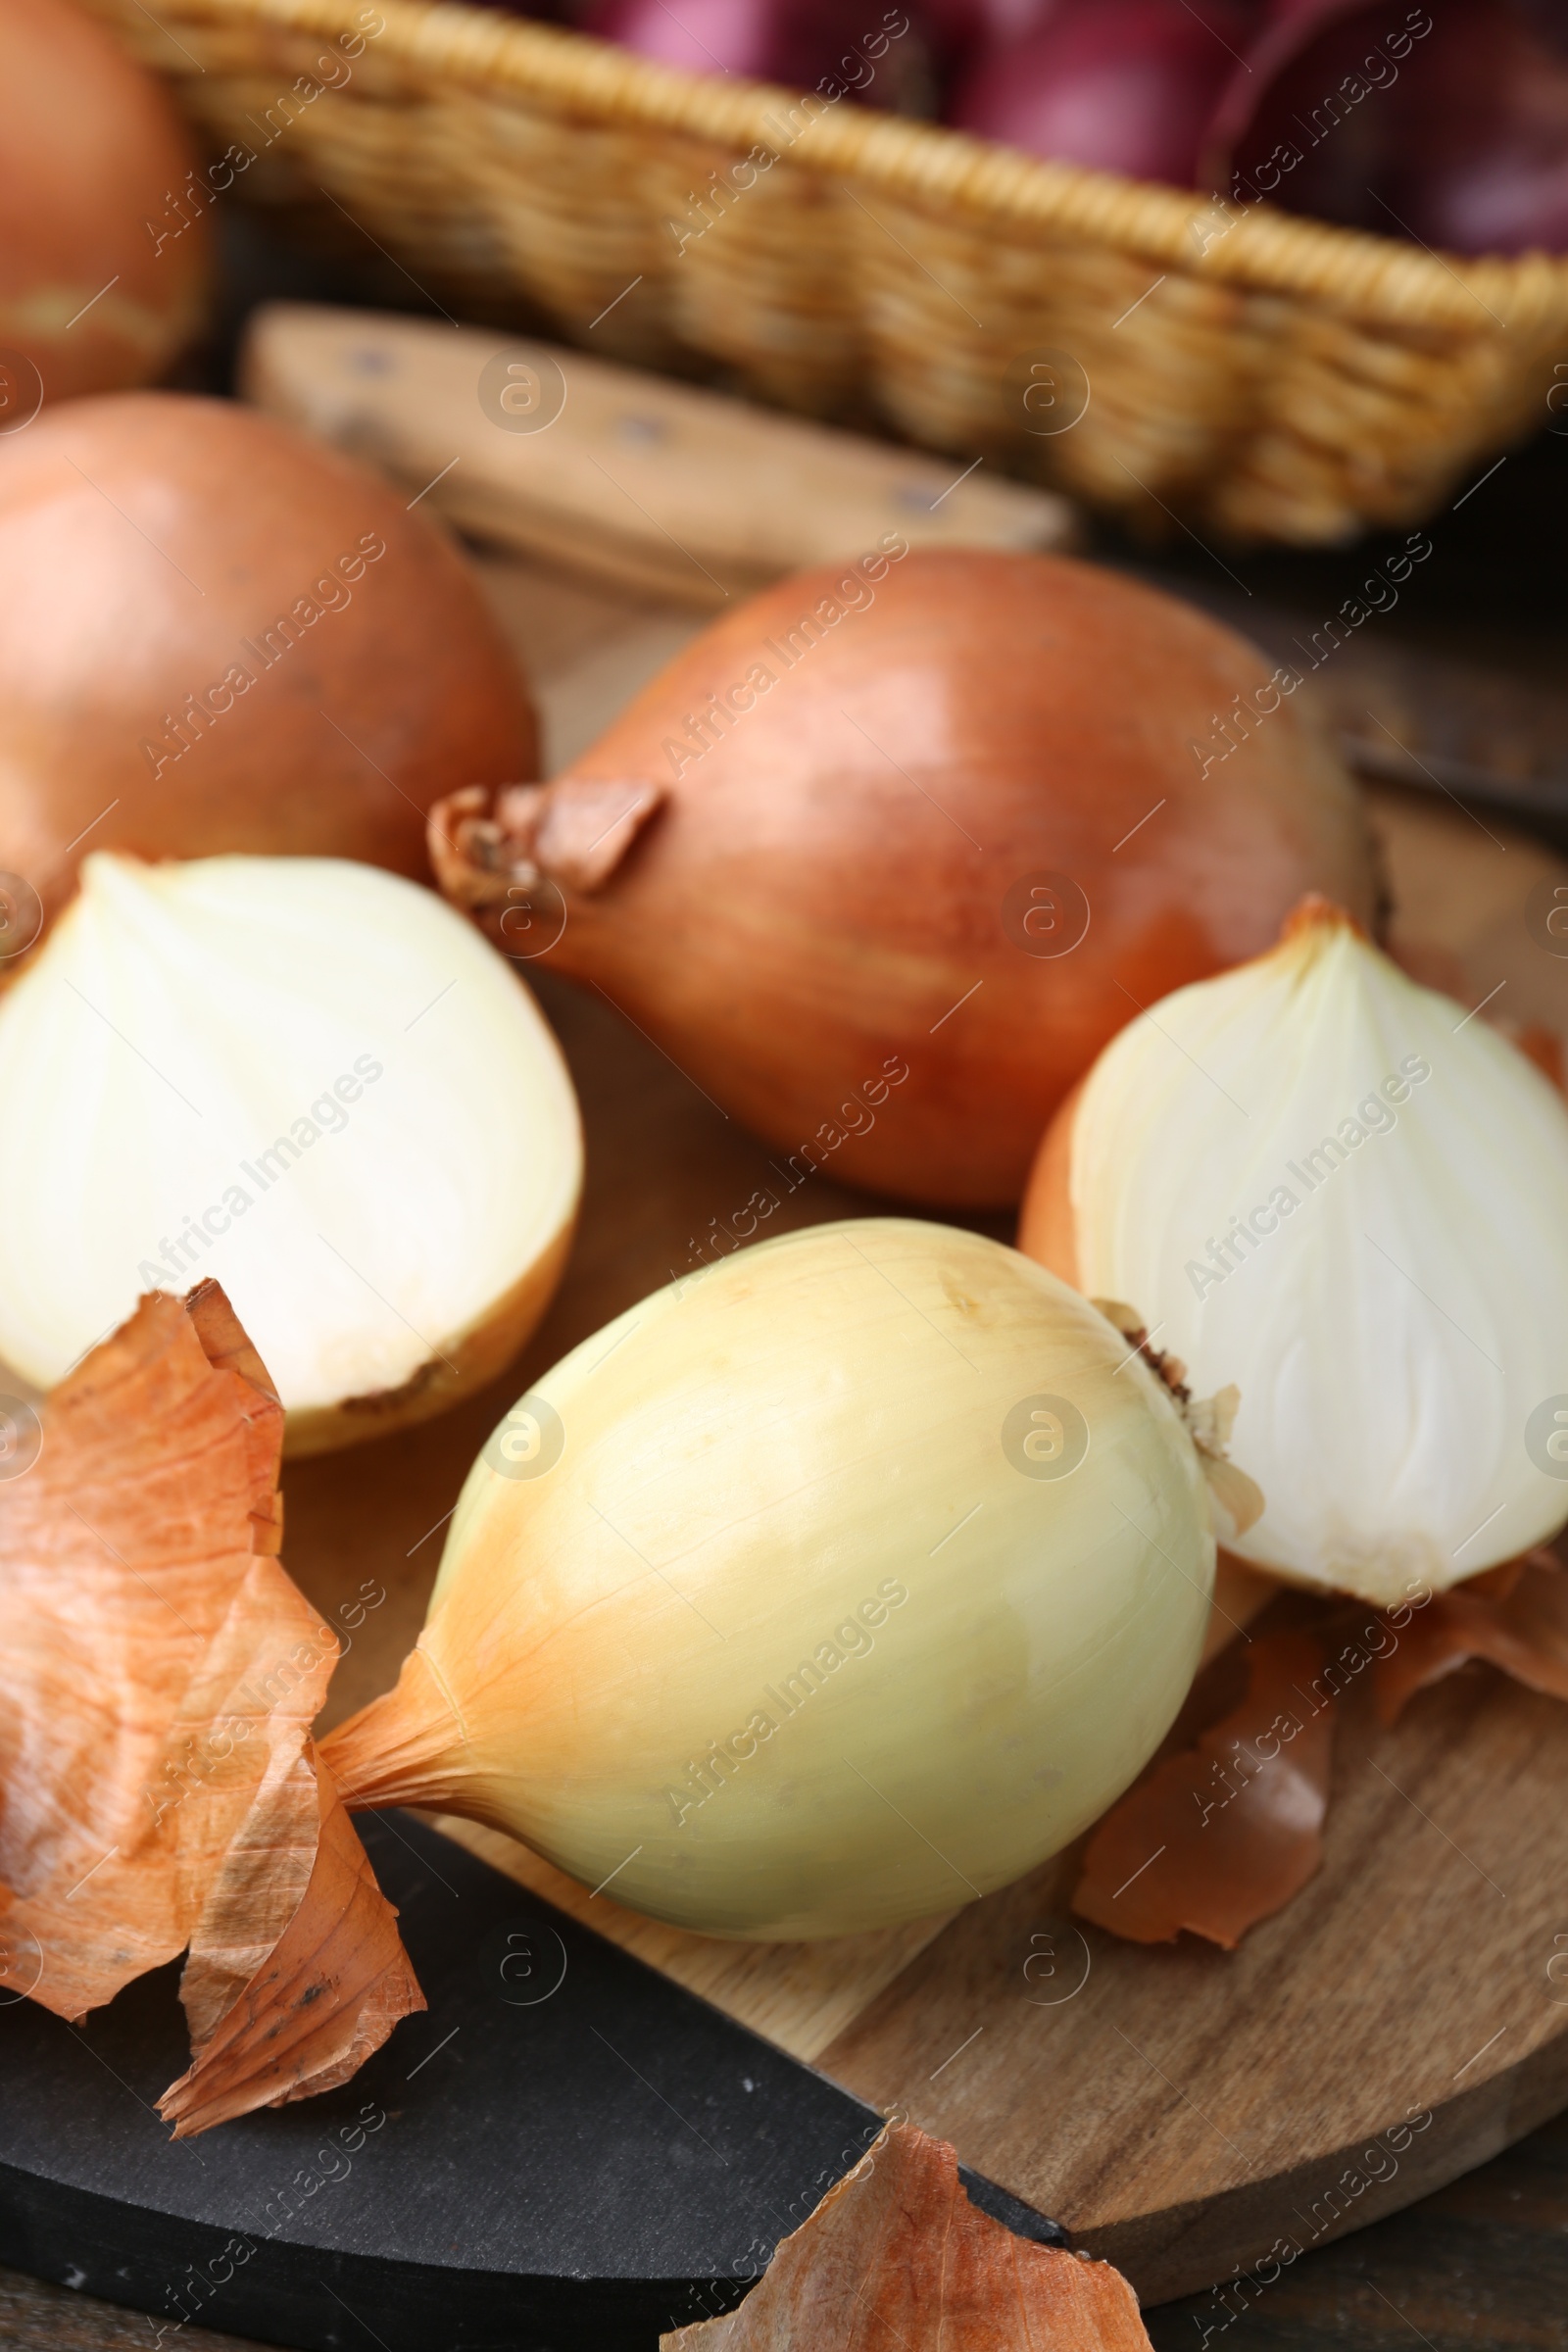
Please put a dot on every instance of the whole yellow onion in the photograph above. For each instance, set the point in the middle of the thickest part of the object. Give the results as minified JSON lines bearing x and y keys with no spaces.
{"x":834,"y":1586}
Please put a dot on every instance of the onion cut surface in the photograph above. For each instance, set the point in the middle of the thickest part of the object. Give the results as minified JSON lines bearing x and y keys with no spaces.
{"x":310,"y":1079}
{"x":1344,"y":1193}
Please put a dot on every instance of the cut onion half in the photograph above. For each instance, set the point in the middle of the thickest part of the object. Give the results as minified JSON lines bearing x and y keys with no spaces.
{"x":310,"y":1080}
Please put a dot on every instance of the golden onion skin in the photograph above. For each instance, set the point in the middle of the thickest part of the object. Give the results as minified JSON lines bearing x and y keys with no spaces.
{"x":865,"y":841}
{"x":667,"y":1640}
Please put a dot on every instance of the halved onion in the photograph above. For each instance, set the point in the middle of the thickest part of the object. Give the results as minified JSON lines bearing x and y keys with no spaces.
{"x":308,"y":1079}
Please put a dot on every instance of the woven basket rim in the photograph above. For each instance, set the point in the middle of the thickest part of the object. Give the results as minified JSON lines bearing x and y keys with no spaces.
{"x":1265,"y":251}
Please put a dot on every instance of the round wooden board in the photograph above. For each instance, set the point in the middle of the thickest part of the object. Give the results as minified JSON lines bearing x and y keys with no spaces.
{"x":1185,"y":2110}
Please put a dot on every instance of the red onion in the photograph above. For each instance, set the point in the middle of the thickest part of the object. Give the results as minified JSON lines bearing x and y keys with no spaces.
{"x":1121,"y":85}
{"x":1483,"y":166}
{"x":962,"y":29}
{"x":866,"y":49}
{"x":1451,"y":127}
{"x":1284,"y":133}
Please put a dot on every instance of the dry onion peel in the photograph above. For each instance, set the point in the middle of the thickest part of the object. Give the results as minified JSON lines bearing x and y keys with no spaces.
{"x":1333,"y":1187}
{"x":1225,"y":1833}
{"x":491,"y":847}
{"x":278,"y":2039}
{"x":1515,"y":1617}
{"x":843,"y":1581}
{"x":310,"y":1080}
{"x":1236,"y":1501}
{"x":896,"y":2255}
{"x":157,"y":1683}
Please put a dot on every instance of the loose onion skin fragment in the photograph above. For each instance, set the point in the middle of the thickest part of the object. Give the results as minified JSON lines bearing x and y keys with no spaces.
{"x":92,"y":166}
{"x":833,"y":1586}
{"x":895,"y":2254}
{"x":1225,"y":1833}
{"x":202,"y":650}
{"x":158,"y":1678}
{"x":1515,"y":1617}
{"x":323,"y":1997}
{"x":908,"y":841}
{"x":309,"y":1078}
{"x":1347,"y":1192}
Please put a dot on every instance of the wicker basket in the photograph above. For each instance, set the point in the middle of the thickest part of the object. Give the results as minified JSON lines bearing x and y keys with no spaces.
{"x":1254,"y":374}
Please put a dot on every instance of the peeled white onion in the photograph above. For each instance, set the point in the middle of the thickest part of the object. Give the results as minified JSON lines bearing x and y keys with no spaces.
{"x":831,"y":1586}
{"x":308,"y":1079}
{"x":1349,"y":1196}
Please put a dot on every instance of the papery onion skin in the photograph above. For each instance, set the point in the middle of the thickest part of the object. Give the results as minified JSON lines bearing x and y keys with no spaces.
{"x":308,"y":1079}
{"x":93,"y":160}
{"x":1390,"y":1339}
{"x":159,"y":1670}
{"x":825,"y":897}
{"x":151,"y":545}
{"x":752,"y":1467}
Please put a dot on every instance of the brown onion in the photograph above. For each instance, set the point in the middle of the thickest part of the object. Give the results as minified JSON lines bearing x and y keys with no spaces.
{"x":200,"y":649}
{"x":959,"y":816}
{"x":93,"y":152}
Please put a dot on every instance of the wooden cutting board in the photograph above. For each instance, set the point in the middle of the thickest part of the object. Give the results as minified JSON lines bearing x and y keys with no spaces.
{"x":1184,"y":2111}
{"x":665,"y":489}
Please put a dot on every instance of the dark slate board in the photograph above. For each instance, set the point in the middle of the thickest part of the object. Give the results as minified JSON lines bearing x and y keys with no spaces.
{"x":565,"y":2151}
